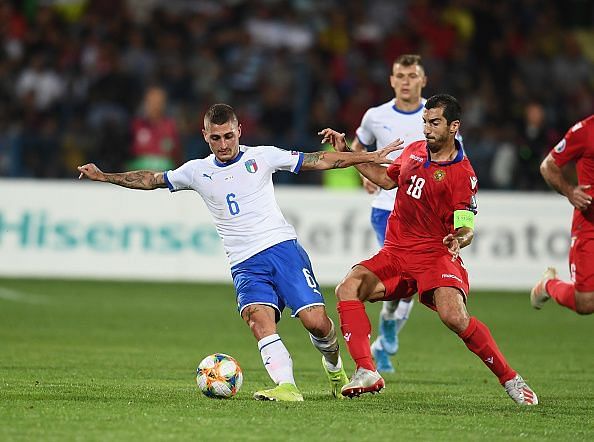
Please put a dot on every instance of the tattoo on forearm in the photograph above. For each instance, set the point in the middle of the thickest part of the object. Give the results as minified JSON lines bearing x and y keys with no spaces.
{"x":338,"y":164}
{"x":141,"y":179}
{"x":311,"y":159}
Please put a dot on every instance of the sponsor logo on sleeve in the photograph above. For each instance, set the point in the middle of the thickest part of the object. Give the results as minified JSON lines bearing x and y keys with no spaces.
{"x":560,"y":147}
{"x":472,"y":205}
{"x":473,"y":182}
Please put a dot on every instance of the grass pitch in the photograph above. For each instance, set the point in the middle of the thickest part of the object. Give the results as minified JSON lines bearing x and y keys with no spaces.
{"x":87,"y":360}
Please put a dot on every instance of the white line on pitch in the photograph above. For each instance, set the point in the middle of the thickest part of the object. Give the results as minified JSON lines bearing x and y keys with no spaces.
{"x":17,"y":296}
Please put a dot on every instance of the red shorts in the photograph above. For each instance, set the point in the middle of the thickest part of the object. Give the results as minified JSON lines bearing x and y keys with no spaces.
{"x":581,"y":263}
{"x":403,"y":275}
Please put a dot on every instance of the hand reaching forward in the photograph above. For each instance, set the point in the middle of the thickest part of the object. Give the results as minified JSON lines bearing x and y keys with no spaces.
{"x":337,"y":140}
{"x":580,"y":199}
{"x":451,"y":242}
{"x":382,"y":154}
{"x":91,"y":172}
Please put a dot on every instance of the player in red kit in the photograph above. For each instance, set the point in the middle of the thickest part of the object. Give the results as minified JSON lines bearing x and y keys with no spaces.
{"x":156,"y":144}
{"x":577,"y":146}
{"x":434,"y":220}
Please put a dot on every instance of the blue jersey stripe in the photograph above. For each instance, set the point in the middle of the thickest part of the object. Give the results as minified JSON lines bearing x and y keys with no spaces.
{"x":421,"y":106}
{"x":299,"y":163}
{"x":228,"y":163}
{"x":368,"y":146}
{"x":459,"y":156}
{"x":169,"y":185}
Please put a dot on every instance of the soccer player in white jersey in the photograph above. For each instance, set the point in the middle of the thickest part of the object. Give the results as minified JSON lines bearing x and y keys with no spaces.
{"x":401,"y":117}
{"x":270,"y":269}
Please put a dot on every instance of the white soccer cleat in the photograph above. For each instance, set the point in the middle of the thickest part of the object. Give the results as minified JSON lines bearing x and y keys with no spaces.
{"x":363,"y":381}
{"x":520,"y":392}
{"x":539,"y":294}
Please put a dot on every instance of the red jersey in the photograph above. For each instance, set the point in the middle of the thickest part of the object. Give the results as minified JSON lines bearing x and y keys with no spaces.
{"x":428,"y":194}
{"x":156,"y":138}
{"x":578,"y":146}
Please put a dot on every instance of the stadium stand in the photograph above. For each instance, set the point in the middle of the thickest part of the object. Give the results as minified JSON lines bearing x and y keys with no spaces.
{"x":73,"y":73}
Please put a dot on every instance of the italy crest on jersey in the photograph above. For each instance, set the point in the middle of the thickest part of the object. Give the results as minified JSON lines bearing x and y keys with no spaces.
{"x":251,"y":166}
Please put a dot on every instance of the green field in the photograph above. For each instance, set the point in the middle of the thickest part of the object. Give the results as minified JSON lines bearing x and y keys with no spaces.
{"x":86,"y":360}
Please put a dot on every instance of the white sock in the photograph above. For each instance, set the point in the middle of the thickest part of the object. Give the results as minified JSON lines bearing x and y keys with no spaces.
{"x":403,"y":310}
{"x":276,"y":359}
{"x":328,"y":346}
{"x":397,"y":310}
{"x":389,"y":309}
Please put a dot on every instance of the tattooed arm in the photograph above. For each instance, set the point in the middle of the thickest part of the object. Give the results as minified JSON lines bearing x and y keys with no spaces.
{"x":371,"y":170}
{"x":339,"y":160}
{"x":139,"y":179}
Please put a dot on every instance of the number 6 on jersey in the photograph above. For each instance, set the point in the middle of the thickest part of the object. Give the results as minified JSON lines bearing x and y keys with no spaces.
{"x":232,"y":204}
{"x":311,"y":282}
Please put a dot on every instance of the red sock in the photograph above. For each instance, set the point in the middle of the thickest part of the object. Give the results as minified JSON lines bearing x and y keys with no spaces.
{"x":356,"y":330}
{"x":478,"y":339}
{"x":562,"y":292}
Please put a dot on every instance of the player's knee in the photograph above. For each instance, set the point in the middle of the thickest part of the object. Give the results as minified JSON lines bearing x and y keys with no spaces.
{"x":347,"y":290}
{"x":261,"y":329}
{"x":584,"y":304}
{"x":261,"y":325}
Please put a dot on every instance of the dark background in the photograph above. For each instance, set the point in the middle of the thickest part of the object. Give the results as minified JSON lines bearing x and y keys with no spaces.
{"x":73,"y":74}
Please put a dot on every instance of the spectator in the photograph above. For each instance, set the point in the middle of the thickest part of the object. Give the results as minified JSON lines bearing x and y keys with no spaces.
{"x":534,"y":137}
{"x":155,"y":139}
{"x":91,"y":59}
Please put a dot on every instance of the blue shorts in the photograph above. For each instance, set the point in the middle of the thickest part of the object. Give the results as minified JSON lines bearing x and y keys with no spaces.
{"x":278,"y":276}
{"x":379,"y":221}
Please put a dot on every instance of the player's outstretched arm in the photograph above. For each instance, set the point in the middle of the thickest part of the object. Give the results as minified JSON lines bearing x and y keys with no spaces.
{"x":138,"y":179}
{"x":370,"y":187}
{"x":379,"y":174}
{"x":368,"y":163}
{"x":553,"y":175}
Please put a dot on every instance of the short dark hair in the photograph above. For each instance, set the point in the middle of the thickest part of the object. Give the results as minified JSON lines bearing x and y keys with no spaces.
{"x":219,"y":113}
{"x":408,"y":60}
{"x":451,"y":108}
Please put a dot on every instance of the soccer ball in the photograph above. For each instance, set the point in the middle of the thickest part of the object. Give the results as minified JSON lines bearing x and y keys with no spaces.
{"x":219,"y":376}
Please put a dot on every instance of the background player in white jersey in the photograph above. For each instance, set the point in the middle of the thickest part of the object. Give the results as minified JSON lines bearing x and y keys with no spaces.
{"x":270,"y":269}
{"x":401,"y":117}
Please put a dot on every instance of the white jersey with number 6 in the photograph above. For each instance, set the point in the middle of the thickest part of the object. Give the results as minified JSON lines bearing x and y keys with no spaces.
{"x":240,"y":197}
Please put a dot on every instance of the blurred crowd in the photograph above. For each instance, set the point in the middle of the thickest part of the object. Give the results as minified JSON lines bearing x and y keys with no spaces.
{"x":125,"y":83}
